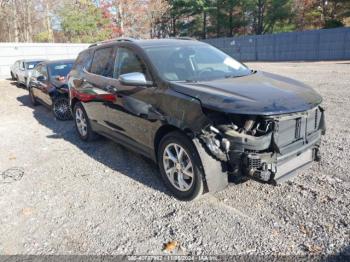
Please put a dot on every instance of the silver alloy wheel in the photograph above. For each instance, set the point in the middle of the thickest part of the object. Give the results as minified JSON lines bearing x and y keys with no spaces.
{"x":178,"y":167}
{"x":61,"y":109}
{"x":81,"y":121}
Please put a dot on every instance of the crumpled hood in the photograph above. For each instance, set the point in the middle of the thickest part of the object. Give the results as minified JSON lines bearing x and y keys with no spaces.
{"x":260,"y":93}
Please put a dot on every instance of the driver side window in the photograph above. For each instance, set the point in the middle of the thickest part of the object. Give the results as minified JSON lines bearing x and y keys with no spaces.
{"x":128,"y":62}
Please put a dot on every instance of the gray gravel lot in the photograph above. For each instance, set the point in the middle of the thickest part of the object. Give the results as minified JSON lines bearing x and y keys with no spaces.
{"x":99,"y":198}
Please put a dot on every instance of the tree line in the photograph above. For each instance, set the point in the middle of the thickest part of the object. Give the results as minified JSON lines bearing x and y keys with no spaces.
{"x":89,"y":21}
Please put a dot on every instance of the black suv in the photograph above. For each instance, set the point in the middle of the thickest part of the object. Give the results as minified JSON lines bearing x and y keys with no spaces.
{"x":200,"y":114}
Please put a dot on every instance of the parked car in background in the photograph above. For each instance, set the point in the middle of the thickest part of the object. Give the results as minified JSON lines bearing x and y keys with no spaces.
{"x":24,"y":70}
{"x":14,"y":70}
{"x":48,"y":86}
{"x":197,"y":112}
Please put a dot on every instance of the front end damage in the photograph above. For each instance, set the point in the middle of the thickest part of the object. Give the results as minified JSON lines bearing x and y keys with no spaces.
{"x":266,"y":148}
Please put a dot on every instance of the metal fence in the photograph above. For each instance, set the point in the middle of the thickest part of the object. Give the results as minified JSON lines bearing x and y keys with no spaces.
{"x":10,"y":52}
{"x":324,"y":44}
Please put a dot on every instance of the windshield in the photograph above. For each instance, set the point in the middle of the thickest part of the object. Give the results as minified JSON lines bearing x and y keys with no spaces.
{"x":60,"y":69}
{"x":31,"y":65}
{"x":196,"y":63}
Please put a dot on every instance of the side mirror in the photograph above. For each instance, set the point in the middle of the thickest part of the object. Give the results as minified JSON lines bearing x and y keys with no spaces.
{"x":41,"y":78}
{"x":134,"y":79}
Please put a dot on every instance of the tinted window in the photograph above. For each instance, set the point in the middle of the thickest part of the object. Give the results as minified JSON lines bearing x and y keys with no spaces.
{"x":60,"y":69}
{"x":128,"y":62}
{"x":102,"y":63}
{"x":83,"y":60}
{"x":195,"y":63}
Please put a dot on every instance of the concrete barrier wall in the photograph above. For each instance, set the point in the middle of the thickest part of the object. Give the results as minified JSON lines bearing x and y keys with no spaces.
{"x":315,"y":45}
{"x":10,"y":52}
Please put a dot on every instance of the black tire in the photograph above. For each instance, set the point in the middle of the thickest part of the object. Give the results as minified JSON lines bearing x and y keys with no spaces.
{"x":13,"y":78}
{"x":26,"y":85}
{"x":90,"y":134}
{"x":33,"y":100}
{"x":60,"y":108}
{"x":17,"y":83}
{"x":197,"y":187}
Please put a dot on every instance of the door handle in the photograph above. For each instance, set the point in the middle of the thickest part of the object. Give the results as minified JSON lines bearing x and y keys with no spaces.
{"x":110,"y":88}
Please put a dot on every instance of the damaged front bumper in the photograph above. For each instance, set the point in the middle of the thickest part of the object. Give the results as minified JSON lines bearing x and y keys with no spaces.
{"x":292,"y":144}
{"x":275,"y":167}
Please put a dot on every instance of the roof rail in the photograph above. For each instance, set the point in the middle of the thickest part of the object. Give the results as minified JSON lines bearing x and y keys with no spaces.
{"x":119,"y":39}
{"x":183,"y":38}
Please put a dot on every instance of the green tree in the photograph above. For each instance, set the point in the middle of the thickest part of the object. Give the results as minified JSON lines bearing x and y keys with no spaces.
{"x":84,"y":22}
{"x":268,"y":13}
{"x":232,"y":17}
{"x":334,"y":12}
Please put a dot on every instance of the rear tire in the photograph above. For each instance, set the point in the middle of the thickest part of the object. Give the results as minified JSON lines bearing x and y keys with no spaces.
{"x":82,"y":123}
{"x":180,"y":166}
{"x":17,"y":83}
{"x":12,"y":77}
{"x":60,"y":108}
{"x":26,"y":84}
{"x":32,"y":97}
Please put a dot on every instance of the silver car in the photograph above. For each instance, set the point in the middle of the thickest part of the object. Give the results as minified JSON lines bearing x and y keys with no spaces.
{"x":22,"y":70}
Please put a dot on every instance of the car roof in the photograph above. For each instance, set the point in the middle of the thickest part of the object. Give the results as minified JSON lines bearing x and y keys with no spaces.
{"x":167,"y":42}
{"x":32,"y":60}
{"x":50,"y":62}
{"x":144,"y":43}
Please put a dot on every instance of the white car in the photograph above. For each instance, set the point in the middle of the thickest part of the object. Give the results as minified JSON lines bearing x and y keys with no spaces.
{"x":14,"y":69}
{"x":22,"y":70}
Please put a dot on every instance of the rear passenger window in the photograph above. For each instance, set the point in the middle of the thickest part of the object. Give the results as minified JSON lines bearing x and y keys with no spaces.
{"x":102,"y":63}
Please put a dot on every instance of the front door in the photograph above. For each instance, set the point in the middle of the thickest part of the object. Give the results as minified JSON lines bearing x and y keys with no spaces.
{"x":128,"y":114}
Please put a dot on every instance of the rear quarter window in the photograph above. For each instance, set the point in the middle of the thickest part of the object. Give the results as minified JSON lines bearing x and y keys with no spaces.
{"x":103,"y":62}
{"x":83,"y":60}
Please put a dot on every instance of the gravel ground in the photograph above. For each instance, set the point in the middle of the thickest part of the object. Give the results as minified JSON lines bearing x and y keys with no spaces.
{"x":63,"y":196}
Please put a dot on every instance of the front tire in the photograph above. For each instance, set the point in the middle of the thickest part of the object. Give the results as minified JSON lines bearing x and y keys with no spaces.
{"x":60,"y":108}
{"x":180,"y":166}
{"x":82,"y":123}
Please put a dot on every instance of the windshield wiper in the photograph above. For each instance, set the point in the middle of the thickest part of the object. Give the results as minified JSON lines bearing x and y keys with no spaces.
{"x":236,"y":76}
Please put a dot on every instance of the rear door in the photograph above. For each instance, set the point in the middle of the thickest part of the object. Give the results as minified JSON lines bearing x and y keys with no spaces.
{"x":96,"y":80}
